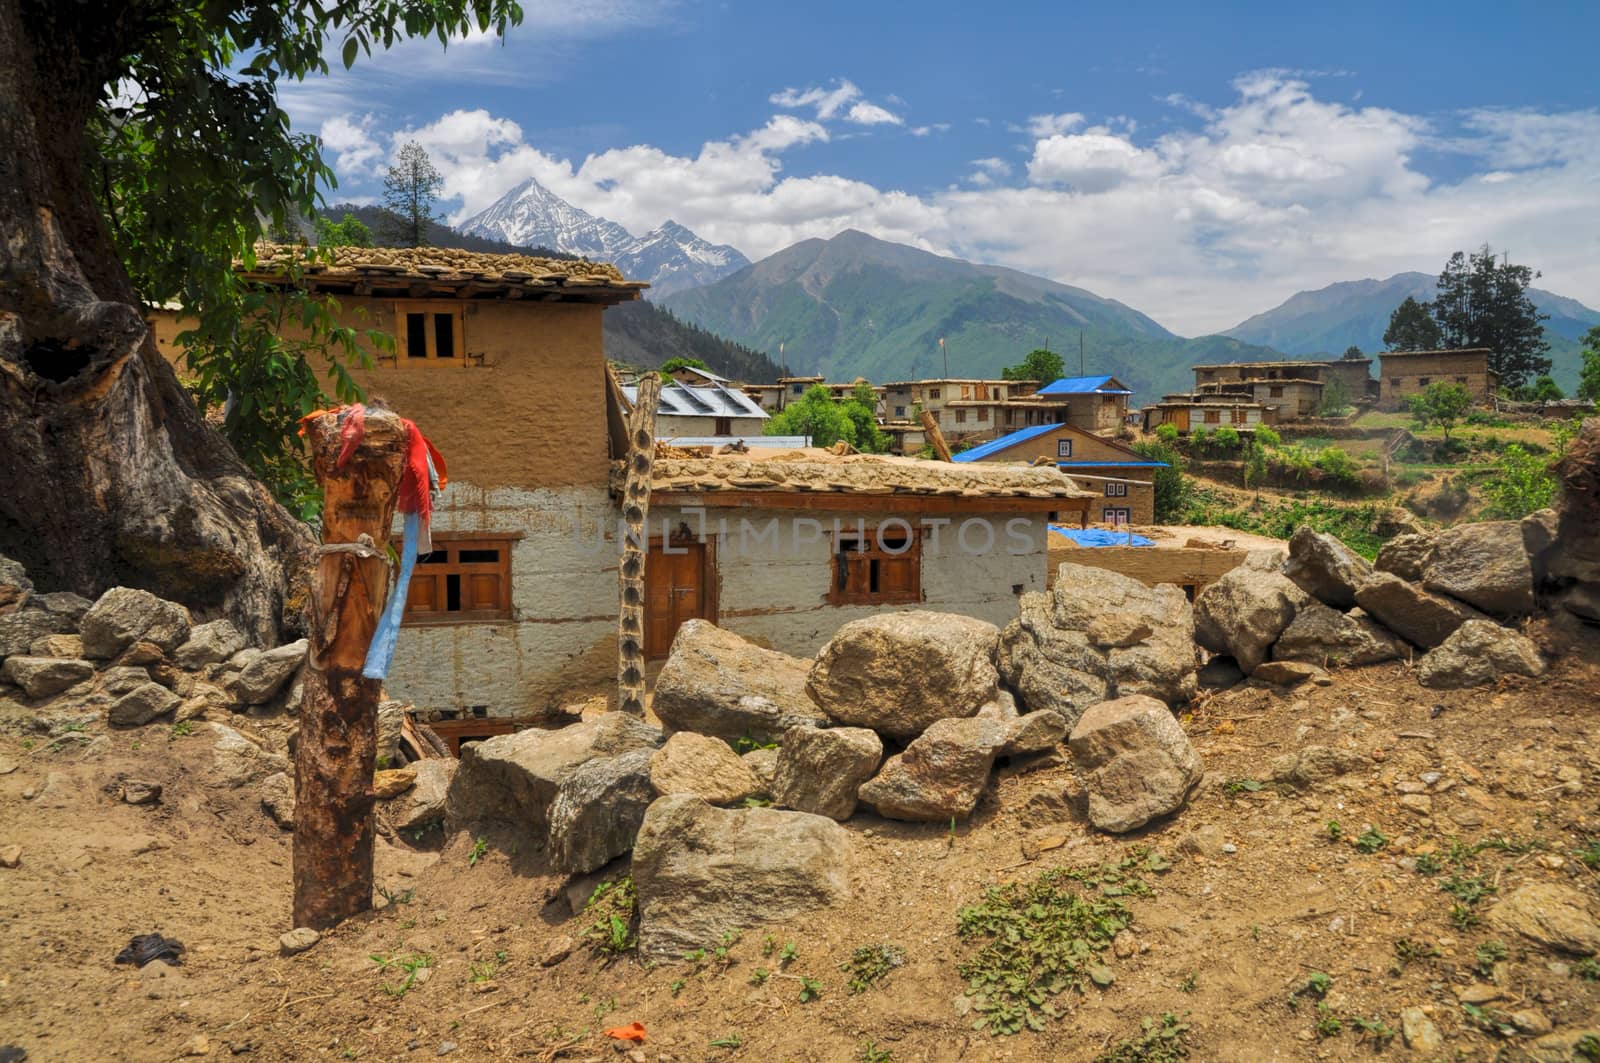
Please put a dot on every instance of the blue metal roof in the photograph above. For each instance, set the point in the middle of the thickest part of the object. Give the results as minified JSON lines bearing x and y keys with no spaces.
{"x":994,"y":446}
{"x":1083,"y":385}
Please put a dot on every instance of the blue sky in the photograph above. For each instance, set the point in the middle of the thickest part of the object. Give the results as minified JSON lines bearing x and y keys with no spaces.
{"x":1200,"y":165}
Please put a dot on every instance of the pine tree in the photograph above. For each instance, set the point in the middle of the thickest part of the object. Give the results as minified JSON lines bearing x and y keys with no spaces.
{"x":1482,"y":303}
{"x":1412,"y":328}
{"x":409,"y":193}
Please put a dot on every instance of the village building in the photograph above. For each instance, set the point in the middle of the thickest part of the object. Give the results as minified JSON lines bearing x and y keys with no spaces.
{"x":500,"y":360}
{"x":712,"y":408}
{"x":1118,"y":476}
{"x":1188,"y":413}
{"x":1402,"y":374}
{"x":1353,"y":374}
{"x":1092,"y":403}
{"x":977,"y":410}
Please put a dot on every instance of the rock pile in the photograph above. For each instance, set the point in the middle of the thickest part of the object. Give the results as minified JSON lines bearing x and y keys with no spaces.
{"x":1327,"y":605}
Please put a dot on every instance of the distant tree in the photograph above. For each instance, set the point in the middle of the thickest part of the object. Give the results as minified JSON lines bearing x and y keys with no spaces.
{"x":1412,"y":328}
{"x":1172,"y":488}
{"x":1544,"y":389}
{"x":409,"y":192}
{"x":1041,"y":364}
{"x":349,"y":231}
{"x":1589,"y":378}
{"x":1226,"y":438}
{"x":1440,"y":404}
{"x":672,"y":365}
{"x":1255,"y":462}
{"x":815,"y":415}
{"x":1268,"y":436}
{"x":1484,"y":303}
{"x":1354,"y":353}
{"x":1335,"y":398}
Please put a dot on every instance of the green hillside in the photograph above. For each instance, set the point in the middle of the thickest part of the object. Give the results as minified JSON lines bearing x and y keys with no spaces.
{"x":857,"y":306}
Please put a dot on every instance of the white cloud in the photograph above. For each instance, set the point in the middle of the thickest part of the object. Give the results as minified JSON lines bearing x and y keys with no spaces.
{"x":928,"y":130}
{"x":1091,"y":162}
{"x":350,"y":138}
{"x":1049,"y":125}
{"x":864,"y":113}
{"x":1274,"y":191}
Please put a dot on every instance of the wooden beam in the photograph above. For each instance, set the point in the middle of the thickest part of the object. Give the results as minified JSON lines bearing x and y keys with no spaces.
{"x":337,"y":748}
{"x":630,"y":571}
{"x":930,"y":428}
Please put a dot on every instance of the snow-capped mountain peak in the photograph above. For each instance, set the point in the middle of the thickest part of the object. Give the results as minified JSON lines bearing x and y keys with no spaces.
{"x":671,"y":257}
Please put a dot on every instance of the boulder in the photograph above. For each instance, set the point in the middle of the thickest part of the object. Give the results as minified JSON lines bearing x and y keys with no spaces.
{"x":1033,"y":733}
{"x":1406,"y":555}
{"x":1582,"y":601}
{"x":897,"y":673}
{"x":210,"y":643}
{"x":820,"y":770}
{"x":1145,"y":633}
{"x":277,"y":799}
{"x":15,"y":587}
{"x":57,"y":646}
{"x":392,"y":782}
{"x":1539,"y":531}
{"x":1286,"y":673}
{"x":1118,"y":630}
{"x":1318,"y":634}
{"x":1136,"y":762}
{"x":203,"y":700}
{"x":1243,"y":613}
{"x":1411,"y":612}
{"x":424,"y":804}
{"x":239,"y":761}
{"x":1476,"y":654}
{"x":511,"y":780}
{"x":1325,"y":568}
{"x":1049,"y":668}
{"x":597,"y":810}
{"x":267,"y":673}
{"x":763,"y":764}
{"x":64,"y":607}
{"x":1485,"y":565}
{"x":1552,"y":916}
{"x":123,"y":615}
{"x":941,"y":774}
{"x":716,"y":683}
{"x":701,"y":872}
{"x":1003,"y":708}
{"x":142,"y":704}
{"x":707,"y":767}
{"x":1314,"y":764}
{"x":40,"y":677}
{"x":20,"y":630}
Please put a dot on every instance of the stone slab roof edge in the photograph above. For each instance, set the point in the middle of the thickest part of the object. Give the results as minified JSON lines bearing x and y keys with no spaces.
{"x":439,"y":264}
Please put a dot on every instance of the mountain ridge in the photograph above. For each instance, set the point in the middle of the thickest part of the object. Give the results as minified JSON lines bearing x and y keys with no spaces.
{"x":671,"y":257}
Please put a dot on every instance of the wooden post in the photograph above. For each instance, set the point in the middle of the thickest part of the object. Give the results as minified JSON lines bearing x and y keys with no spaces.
{"x":635,"y":543}
{"x":337,"y":747}
{"x":930,"y":428}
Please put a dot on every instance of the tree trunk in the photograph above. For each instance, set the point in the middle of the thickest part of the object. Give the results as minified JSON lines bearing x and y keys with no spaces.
{"x":338,"y":745}
{"x":109,"y":475}
{"x":635,"y":545}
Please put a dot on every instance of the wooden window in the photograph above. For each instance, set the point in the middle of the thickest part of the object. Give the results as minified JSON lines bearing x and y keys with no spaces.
{"x":1116,"y":489}
{"x":933,"y":393}
{"x":1116,"y":515}
{"x":1240,"y":414}
{"x":994,"y":393}
{"x":431,"y":332}
{"x":1213,"y":417}
{"x":983,"y":413}
{"x":724,"y":426}
{"x":1275,"y":391}
{"x":961,"y":417}
{"x":899,"y":411}
{"x":462,"y":580}
{"x":1424,"y":381}
{"x":1394,"y":381}
{"x":881,"y":567}
{"x":1063,"y":448}
{"x":1461,"y":380}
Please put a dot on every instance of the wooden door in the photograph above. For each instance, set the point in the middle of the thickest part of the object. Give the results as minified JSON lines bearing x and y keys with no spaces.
{"x":674,"y":591}
{"x":1180,"y":420}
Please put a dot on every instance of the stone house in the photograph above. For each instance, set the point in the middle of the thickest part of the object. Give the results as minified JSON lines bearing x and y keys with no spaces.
{"x":500,"y":360}
{"x":1354,"y":375}
{"x":1092,"y":403}
{"x":712,"y":408}
{"x":1117,"y":476}
{"x":1402,"y":374}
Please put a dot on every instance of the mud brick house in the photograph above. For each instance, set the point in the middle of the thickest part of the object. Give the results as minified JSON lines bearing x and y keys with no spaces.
{"x":1208,"y":411}
{"x":500,"y":360}
{"x":1118,"y":477}
{"x":978,"y":410}
{"x":1092,"y":403}
{"x":1354,"y":375}
{"x":1402,"y":374}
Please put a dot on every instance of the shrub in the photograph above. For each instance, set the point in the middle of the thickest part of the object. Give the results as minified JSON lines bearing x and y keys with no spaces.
{"x":1171,"y":486}
{"x":1268,"y":436}
{"x":1226,"y":438}
{"x":1167,"y":433}
{"x":1338,"y":466}
{"x":1520,"y":484}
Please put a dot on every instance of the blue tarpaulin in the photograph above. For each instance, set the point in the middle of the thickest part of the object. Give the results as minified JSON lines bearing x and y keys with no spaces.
{"x":1099,"y":537}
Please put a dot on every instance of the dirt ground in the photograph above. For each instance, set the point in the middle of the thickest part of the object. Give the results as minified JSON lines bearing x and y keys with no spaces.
{"x":1258,"y":898}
